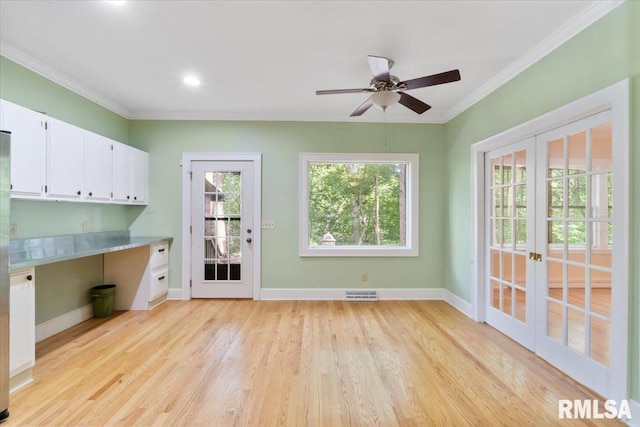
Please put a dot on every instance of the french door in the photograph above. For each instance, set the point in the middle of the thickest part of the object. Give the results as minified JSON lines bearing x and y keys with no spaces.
{"x":550,"y":234}
{"x":222,"y":232}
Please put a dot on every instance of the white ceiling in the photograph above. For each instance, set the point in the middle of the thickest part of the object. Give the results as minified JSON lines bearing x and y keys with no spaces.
{"x":264,"y":60}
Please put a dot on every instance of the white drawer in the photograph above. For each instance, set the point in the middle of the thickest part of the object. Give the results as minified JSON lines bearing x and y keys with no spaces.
{"x":159,"y":255}
{"x":159,"y":284}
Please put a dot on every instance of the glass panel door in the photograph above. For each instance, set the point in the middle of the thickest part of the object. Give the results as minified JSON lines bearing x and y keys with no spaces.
{"x":509,"y":191}
{"x":575,"y":299}
{"x":221,"y":236}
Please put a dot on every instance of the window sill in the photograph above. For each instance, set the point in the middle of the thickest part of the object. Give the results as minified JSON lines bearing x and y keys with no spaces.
{"x":327,"y":251}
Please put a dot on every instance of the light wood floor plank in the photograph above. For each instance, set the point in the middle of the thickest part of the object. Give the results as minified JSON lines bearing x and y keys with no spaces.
{"x":290,"y":363}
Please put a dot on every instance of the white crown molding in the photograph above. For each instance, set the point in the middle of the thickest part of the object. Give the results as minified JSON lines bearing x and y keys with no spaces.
{"x":55,"y":76}
{"x":590,"y":15}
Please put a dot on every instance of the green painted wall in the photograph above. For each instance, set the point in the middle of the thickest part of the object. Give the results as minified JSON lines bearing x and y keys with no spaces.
{"x":603,"y":54}
{"x":281,"y":144}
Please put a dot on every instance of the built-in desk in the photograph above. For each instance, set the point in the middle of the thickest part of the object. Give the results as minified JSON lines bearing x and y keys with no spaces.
{"x":138,"y":266}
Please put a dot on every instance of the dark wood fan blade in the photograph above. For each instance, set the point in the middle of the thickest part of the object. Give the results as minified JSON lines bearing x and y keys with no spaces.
{"x":362,"y":108}
{"x":379,"y":68}
{"x":413,"y":103}
{"x":336,"y":91}
{"x":434,"y":79}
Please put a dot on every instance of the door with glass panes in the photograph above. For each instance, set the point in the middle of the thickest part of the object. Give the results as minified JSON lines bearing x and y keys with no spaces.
{"x":221,"y":229}
{"x":550,"y":247}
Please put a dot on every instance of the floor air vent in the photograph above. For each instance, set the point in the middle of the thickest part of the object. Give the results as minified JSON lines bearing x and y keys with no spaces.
{"x":362,"y":295}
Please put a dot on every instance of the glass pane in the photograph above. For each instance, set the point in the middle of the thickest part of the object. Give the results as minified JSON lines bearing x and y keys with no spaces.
{"x":222,"y":232}
{"x":497,"y":232}
{"x":556,"y":232}
{"x":577,"y":232}
{"x":497,"y":202}
{"x":497,"y":175}
{"x":507,"y":295}
{"x":555,"y":157}
{"x":507,"y":266}
{"x":520,"y":232}
{"x":554,"y":321}
{"x":577,"y":193}
{"x":577,"y":285}
{"x":507,"y":161}
{"x":601,"y":147}
{"x":601,"y":294}
{"x":507,"y":204}
{"x":577,"y":153}
{"x":507,"y":234}
{"x":521,"y":270}
{"x":521,"y":305}
{"x":555,"y":274}
{"x":576,"y":333}
{"x":556,"y":198}
{"x":576,"y":256}
{"x":601,"y":199}
{"x":600,"y":341}
{"x":601,"y":258}
{"x":521,"y":201}
{"x":495,"y":294}
{"x":495,"y":264}
{"x":520,"y":173}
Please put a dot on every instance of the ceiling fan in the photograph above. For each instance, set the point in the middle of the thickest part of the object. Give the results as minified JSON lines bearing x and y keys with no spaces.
{"x":387,"y":90}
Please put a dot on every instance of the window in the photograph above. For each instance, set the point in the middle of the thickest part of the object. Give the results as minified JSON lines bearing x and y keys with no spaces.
{"x":358,"y":204}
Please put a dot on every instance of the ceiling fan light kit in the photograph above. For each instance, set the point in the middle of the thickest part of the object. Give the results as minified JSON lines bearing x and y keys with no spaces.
{"x":387,"y":90}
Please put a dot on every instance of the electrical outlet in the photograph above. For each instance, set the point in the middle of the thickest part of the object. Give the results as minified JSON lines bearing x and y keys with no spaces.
{"x":13,"y":231}
{"x":268,"y":224}
{"x":365,"y":277}
{"x":85,"y":226}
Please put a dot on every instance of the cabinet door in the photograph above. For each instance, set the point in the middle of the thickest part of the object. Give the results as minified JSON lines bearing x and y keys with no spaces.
{"x":22,"y":321}
{"x":139,"y":176}
{"x":65,"y":160}
{"x":98,"y":167}
{"x":121,"y":173}
{"x":28,"y":149}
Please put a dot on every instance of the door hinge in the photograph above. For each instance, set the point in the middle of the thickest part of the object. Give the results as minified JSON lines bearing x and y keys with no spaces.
{"x":190,"y":284}
{"x":46,"y":189}
{"x":535,"y":256}
{"x":46,"y":125}
{"x":191,"y":229}
{"x":111,"y":147}
{"x":191,"y":175}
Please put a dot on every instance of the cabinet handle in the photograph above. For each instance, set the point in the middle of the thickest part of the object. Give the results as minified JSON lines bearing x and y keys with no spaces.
{"x":79,"y":192}
{"x":161,"y":278}
{"x":127,"y":197}
{"x":29,"y":277}
{"x":135,"y":198}
{"x":161,"y":250}
{"x":90,"y":193}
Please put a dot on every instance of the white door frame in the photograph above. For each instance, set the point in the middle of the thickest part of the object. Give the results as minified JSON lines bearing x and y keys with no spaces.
{"x":187,"y":159}
{"x":616,"y":99}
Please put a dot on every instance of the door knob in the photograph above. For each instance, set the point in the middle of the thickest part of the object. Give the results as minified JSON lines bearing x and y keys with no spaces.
{"x":249,"y":240}
{"x":249,"y":230}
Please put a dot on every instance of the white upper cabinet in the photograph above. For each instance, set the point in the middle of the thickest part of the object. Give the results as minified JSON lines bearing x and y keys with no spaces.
{"x":98,"y":167}
{"x":65,"y":160}
{"x":28,"y":148}
{"x":54,"y":160}
{"x":121,"y":173}
{"x":139,"y":176}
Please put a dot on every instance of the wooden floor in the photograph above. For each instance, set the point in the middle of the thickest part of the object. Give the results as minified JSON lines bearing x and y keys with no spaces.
{"x":315,"y":363}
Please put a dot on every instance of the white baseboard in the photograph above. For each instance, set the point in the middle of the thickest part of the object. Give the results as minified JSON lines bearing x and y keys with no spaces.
{"x":312,"y":294}
{"x":51,"y":327}
{"x":457,"y":302}
{"x":635,"y":413}
{"x":175,"y":294}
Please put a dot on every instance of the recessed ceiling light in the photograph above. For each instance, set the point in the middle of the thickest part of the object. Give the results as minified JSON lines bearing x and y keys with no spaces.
{"x":191,"y":81}
{"x":116,"y":2}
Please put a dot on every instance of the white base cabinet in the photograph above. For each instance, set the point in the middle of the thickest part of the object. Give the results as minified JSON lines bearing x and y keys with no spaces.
{"x":22,"y":329}
{"x":141,"y":276}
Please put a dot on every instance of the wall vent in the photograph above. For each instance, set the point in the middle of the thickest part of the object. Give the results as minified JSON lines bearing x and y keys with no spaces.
{"x":362,"y":296}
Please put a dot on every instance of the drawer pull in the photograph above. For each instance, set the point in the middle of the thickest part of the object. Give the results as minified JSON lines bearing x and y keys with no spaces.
{"x":161,"y":278}
{"x":161,"y":250}
{"x":29,"y":277}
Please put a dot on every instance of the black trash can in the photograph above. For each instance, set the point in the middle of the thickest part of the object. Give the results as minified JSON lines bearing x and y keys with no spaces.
{"x":103,"y":297}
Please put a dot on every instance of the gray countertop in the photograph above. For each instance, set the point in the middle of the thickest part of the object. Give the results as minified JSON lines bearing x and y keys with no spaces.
{"x":45,"y":250}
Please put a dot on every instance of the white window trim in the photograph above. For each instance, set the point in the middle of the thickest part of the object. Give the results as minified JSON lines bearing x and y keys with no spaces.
{"x":410,"y":250}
